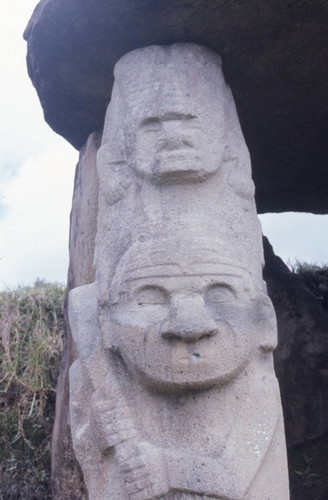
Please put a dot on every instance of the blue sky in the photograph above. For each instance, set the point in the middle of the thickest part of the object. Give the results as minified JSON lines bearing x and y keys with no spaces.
{"x":36,"y":179}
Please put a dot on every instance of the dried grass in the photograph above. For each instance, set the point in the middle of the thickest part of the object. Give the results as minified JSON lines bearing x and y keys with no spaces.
{"x":31,"y":330}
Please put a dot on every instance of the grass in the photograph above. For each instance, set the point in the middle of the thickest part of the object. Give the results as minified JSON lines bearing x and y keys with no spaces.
{"x":31,"y":330}
{"x":315,"y":278}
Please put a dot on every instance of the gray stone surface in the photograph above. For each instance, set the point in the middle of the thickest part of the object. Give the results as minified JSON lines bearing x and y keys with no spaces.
{"x":173,"y":394}
{"x":274,"y":57}
{"x":177,"y":157}
{"x":83,"y":223}
{"x":67,"y":479}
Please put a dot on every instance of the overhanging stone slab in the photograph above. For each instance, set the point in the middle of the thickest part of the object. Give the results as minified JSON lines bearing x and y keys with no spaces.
{"x":274,"y":58}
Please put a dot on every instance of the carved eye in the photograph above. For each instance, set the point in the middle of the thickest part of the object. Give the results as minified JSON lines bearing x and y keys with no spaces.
{"x":151,"y":295}
{"x":219,"y":294}
{"x":192,"y":122}
{"x":151,"y":125}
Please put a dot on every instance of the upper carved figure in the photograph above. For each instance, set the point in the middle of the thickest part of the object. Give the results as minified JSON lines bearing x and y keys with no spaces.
{"x":171,"y":133}
{"x":176,"y":112}
{"x":173,"y":157}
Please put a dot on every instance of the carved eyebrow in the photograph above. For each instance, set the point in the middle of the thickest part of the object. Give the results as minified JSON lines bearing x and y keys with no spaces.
{"x":181,"y":275}
{"x":178,"y":116}
{"x":150,"y":119}
{"x":168,"y":116}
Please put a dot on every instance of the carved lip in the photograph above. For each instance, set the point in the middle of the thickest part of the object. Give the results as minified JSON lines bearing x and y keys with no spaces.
{"x":179,"y":152}
{"x":181,"y":162}
{"x":193,"y":357}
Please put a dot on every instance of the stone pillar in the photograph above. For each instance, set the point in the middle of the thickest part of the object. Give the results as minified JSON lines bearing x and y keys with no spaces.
{"x":173,"y":394}
{"x":67,"y":481}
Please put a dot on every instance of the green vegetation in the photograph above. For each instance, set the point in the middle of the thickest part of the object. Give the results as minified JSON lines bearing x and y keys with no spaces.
{"x":315,"y":278}
{"x":308,"y":461}
{"x":308,"y":464}
{"x":31,"y":329}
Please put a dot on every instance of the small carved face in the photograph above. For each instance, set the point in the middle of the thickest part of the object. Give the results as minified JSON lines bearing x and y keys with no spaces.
{"x":177,"y":148}
{"x":182,"y":331}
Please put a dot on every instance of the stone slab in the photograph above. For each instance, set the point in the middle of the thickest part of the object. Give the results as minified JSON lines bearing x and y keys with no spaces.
{"x":274,"y":58}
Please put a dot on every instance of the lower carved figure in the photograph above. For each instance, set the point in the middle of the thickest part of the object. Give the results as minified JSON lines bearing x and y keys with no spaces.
{"x":174,"y":395}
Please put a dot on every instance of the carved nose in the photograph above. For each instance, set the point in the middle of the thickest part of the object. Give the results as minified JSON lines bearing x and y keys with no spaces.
{"x":189,"y":319}
{"x":174,"y":143}
{"x":172,"y":138}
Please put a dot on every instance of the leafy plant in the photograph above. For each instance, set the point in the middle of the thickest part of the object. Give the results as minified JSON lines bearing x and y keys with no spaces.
{"x":315,"y":278}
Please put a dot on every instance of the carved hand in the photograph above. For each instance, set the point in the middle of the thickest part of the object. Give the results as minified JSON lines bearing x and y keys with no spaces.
{"x":144,"y":472}
{"x":111,"y":424}
{"x":142,"y":465}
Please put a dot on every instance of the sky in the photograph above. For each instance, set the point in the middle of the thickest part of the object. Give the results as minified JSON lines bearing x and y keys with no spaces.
{"x":37,"y":172}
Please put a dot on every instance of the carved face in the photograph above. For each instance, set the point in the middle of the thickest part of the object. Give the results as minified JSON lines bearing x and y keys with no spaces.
{"x":176,"y":147}
{"x":173,"y":100}
{"x":183,"y":331}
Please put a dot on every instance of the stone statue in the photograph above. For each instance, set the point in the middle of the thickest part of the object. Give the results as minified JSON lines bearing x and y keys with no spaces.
{"x":173,"y":394}
{"x":173,"y":157}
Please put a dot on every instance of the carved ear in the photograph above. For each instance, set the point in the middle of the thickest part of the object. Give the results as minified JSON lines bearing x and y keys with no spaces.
{"x":266,"y":323}
{"x":83,"y":319}
{"x":114,"y":178}
{"x":240,"y":180}
{"x":237,"y":159}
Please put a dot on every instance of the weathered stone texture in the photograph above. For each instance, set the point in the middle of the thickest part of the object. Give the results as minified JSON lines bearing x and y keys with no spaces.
{"x":67,"y":479}
{"x":274,"y":58}
{"x":173,"y":391}
{"x":84,"y":213}
{"x":302,"y":375}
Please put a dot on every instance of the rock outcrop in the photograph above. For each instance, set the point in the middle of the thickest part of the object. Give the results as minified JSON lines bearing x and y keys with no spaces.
{"x":301,"y":359}
{"x":67,"y":479}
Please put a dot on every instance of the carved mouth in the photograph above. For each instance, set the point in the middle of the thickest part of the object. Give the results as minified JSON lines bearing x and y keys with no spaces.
{"x":179,"y":154}
{"x":194,"y":357}
{"x":179,"y":168}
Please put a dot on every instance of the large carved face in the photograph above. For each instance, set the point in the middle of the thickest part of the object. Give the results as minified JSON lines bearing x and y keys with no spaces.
{"x":178,"y":328}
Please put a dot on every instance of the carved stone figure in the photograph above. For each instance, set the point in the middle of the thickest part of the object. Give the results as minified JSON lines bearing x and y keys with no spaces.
{"x":173,"y":394}
{"x":173,"y":158}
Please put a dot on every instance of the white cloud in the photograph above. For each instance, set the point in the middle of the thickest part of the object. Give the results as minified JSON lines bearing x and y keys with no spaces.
{"x":298,"y":236}
{"x":34,"y":231}
{"x":23,"y":130}
{"x":36,"y":167}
